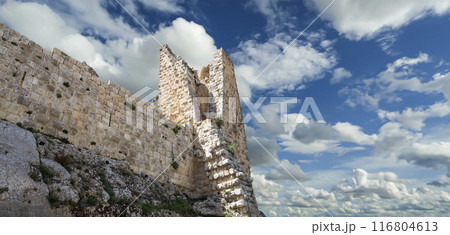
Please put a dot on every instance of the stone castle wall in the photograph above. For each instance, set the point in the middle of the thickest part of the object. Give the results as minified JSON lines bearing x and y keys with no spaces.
{"x":177,"y":82}
{"x":57,"y":95}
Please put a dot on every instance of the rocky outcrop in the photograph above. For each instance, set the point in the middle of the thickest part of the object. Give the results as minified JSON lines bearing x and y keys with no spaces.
{"x":20,"y":195}
{"x":41,"y":176}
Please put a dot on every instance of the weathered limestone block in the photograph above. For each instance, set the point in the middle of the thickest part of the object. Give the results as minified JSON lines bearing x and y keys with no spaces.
{"x":61,"y":180}
{"x":21,"y":195}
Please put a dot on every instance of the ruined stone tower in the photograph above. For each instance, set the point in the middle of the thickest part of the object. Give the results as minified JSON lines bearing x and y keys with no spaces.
{"x":209,"y":100}
{"x":197,"y":123}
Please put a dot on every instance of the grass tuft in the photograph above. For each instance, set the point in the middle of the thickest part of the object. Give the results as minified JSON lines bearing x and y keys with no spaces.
{"x":47,"y":173}
{"x":175,"y":165}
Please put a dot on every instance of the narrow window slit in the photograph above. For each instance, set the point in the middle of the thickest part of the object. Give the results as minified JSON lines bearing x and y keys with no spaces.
{"x":23,"y":78}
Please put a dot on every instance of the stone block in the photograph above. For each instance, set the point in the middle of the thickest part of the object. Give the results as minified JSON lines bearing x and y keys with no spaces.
{"x":55,"y":113}
{"x":25,"y":101}
{"x":41,"y":118}
{"x":58,"y":125}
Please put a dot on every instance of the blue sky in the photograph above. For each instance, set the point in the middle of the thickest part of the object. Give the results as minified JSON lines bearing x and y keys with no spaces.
{"x":378,"y":71}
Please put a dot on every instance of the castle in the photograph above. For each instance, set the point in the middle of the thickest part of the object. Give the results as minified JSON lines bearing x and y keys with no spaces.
{"x":192,"y":134}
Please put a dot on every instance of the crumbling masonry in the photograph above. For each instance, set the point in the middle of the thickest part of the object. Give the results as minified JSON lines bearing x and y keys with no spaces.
{"x":192,"y":133}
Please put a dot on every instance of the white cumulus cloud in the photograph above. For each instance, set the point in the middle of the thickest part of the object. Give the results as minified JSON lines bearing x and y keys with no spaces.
{"x":414,"y":118}
{"x":364,"y":19}
{"x":339,"y":74}
{"x":299,"y":64}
